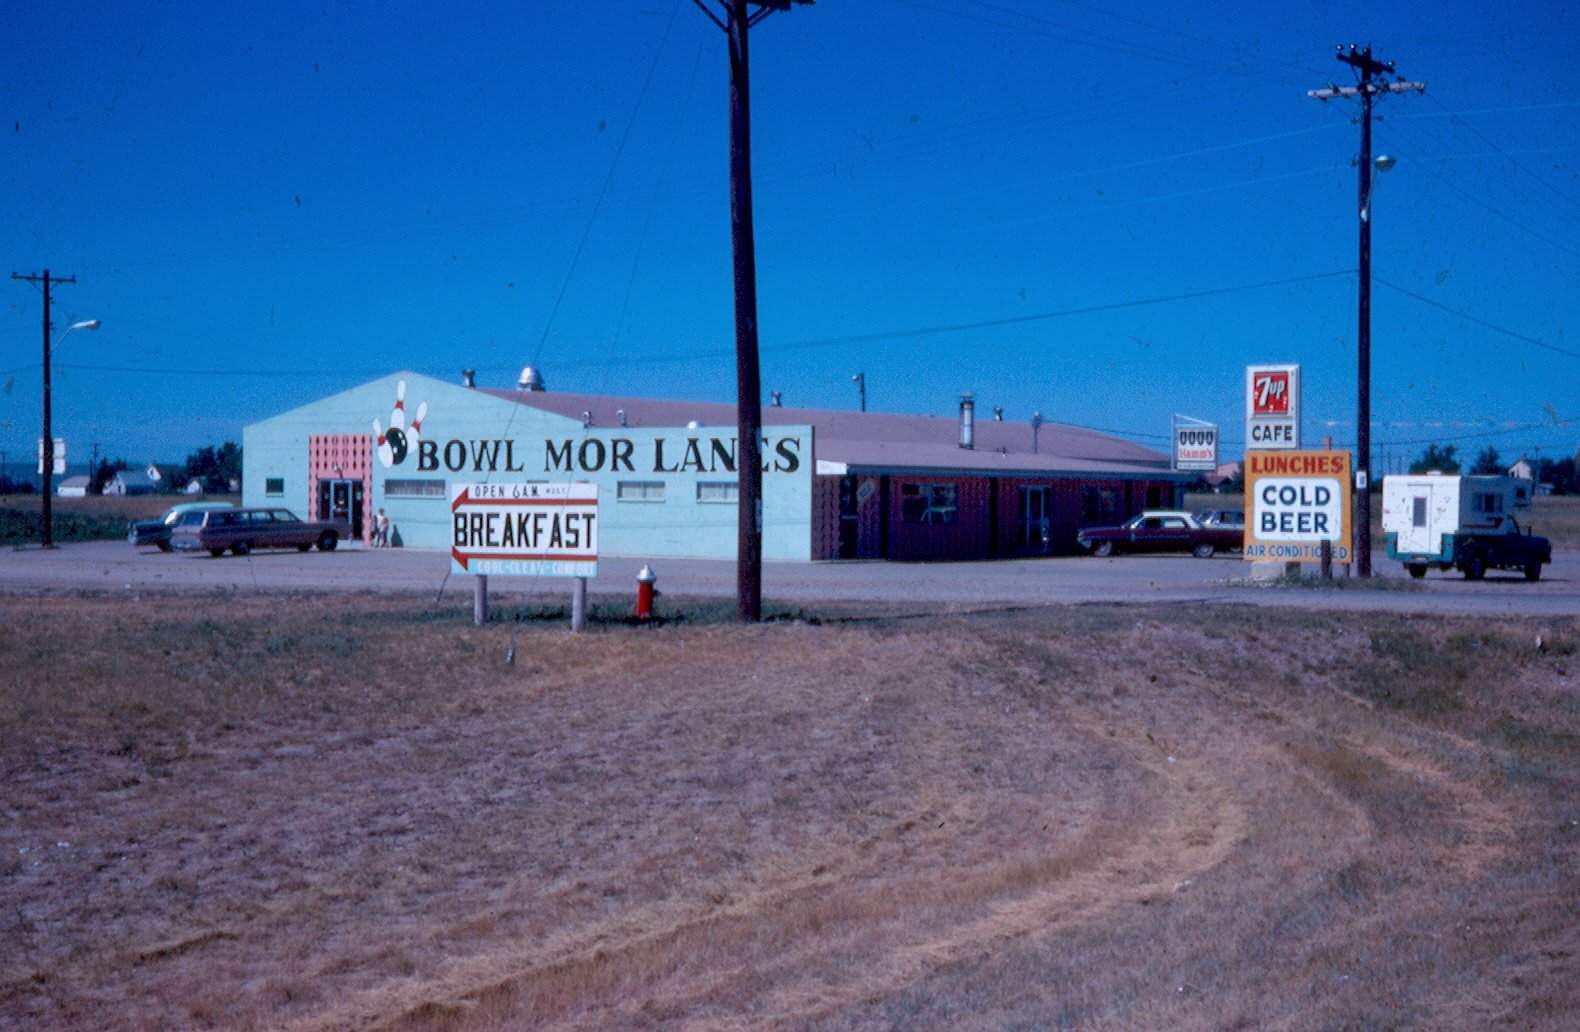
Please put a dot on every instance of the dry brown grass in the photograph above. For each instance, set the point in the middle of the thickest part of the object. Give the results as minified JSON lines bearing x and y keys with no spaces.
{"x":350,"y":813}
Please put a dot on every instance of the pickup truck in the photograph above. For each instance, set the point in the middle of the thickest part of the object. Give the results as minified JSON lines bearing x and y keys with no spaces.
{"x":1501,"y":546}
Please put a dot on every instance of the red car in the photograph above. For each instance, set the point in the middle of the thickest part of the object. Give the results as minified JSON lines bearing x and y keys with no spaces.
{"x":1163,"y":531}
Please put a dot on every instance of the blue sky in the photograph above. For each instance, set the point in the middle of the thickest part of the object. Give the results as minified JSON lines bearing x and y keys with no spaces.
{"x":1101,"y":212}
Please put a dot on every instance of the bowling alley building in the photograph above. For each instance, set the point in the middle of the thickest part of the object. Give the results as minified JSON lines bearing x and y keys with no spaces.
{"x":836,"y":485}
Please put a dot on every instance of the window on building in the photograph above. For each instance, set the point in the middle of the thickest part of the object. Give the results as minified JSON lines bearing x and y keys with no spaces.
{"x":639,"y":491}
{"x":1488,"y":503}
{"x":414,"y":489}
{"x":928,"y":503}
{"x":274,"y":487}
{"x":1418,"y":512}
{"x":719,"y":491}
{"x":1099,"y":506}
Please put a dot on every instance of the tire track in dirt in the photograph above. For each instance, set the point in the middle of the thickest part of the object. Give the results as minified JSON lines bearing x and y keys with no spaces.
{"x":822,"y":941}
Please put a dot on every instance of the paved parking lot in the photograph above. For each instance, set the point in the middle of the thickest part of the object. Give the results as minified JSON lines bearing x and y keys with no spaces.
{"x":116,"y":566}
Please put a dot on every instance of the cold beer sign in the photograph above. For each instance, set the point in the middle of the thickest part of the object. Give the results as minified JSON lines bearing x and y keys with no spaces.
{"x":1298,"y":499}
{"x":1272,"y":407}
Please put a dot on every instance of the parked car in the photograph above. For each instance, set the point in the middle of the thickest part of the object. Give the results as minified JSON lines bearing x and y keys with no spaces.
{"x":1162,"y":531}
{"x":242,"y":530}
{"x":157,"y":532}
{"x":1234,"y":518}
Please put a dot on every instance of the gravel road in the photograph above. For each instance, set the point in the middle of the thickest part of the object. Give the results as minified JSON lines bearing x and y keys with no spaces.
{"x":116,"y":566}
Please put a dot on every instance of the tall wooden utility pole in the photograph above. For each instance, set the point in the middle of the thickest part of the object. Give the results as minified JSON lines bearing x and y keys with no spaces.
{"x":1370,"y":72}
{"x":46,"y":452}
{"x":736,"y":20}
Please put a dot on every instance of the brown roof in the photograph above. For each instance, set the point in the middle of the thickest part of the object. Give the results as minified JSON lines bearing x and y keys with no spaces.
{"x":882,"y":442}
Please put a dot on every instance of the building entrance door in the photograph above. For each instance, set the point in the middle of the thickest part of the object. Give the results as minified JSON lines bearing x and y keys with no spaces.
{"x":1036,"y":504}
{"x":341,"y":500}
{"x":849,"y":520}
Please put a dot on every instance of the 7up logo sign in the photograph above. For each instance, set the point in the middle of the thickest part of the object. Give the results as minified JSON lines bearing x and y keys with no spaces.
{"x":1270,"y":394}
{"x":1272,"y":407}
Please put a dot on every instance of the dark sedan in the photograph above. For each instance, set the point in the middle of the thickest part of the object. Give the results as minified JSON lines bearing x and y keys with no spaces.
{"x":157,"y":532}
{"x":1162,"y":531}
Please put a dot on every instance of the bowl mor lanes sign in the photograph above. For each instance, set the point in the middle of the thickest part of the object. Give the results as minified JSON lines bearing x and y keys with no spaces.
{"x":1298,"y":499}
{"x":528,"y":530}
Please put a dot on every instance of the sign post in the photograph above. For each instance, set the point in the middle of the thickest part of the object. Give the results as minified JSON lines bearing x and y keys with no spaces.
{"x":525,"y":530}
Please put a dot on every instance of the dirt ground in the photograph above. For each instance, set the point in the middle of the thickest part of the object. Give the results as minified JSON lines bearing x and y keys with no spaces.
{"x":297,"y":812}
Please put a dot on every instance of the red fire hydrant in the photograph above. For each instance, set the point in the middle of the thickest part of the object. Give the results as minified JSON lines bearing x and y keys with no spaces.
{"x":645,"y":579}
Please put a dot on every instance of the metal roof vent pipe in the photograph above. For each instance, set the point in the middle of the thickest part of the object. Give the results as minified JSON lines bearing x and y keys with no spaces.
{"x":531,"y":380}
{"x":620,"y":415}
{"x":775,"y":399}
{"x":968,"y":419}
{"x":469,"y":378}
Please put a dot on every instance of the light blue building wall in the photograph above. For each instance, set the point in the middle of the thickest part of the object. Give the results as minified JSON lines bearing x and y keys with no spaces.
{"x":662,"y":491}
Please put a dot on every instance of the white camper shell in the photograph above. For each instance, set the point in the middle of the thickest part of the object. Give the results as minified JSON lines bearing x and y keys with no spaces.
{"x":1421,"y":509}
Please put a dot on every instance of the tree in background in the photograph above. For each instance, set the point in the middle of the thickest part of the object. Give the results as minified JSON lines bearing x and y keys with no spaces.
{"x":215,"y":468}
{"x":1563,"y":475}
{"x":1487,"y":462}
{"x":102,"y":475}
{"x":1436,"y":458}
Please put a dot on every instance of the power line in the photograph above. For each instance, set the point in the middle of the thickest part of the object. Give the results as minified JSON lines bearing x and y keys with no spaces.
{"x":1573,"y":204}
{"x":1478,"y":321}
{"x":803,"y":344}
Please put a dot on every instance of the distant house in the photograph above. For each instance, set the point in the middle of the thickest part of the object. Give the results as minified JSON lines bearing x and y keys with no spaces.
{"x":73,"y":487}
{"x":1219,"y":478}
{"x":1523,"y":470}
{"x":133,"y":482}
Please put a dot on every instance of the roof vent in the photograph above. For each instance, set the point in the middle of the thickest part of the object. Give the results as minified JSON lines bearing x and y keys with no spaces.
{"x":531,"y":380}
{"x":775,"y":399}
{"x":469,"y":378}
{"x":968,"y":429}
{"x":694,"y":424}
{"x":620,"y":415}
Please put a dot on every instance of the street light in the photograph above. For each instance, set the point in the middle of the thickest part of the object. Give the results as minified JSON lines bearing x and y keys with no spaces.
{"x":46,"y":448}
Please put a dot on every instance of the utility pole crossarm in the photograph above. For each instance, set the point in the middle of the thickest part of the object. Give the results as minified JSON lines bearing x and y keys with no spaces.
{"x":1338,"y":92}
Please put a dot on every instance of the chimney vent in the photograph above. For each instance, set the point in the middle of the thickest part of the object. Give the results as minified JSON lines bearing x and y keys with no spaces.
{"x":531,"y":380}
{"x":968,"y":430}
{"x":469,"y":377}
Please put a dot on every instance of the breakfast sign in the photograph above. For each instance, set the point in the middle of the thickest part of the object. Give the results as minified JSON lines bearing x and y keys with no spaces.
{"x":527,"y":530}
